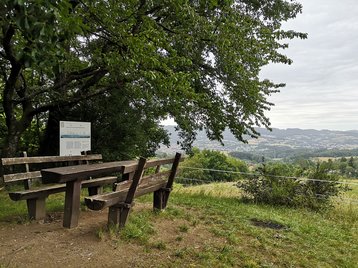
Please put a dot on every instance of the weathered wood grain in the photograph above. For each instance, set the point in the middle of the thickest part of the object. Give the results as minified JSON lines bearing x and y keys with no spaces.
{"x":48,"y":159}
{"x":47,"y":190}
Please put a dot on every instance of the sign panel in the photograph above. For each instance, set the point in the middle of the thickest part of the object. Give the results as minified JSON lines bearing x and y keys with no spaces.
{"x":75,"y":137}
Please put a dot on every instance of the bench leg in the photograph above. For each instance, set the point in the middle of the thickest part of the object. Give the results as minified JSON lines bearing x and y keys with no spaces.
{"x":36,"y":208}
{"x":160,"y":199}
{"x":72,"y":204}
{"x":113,"y":215}
{"x":95,"y":190}
{"x":118,"y":215}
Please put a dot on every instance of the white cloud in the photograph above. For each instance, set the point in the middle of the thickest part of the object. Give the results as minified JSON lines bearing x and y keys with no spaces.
{"x":321,"y":85}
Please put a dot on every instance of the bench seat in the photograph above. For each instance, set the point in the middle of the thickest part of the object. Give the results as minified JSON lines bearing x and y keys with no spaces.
{"x":148,"y":184}
{"x":44,"y":191}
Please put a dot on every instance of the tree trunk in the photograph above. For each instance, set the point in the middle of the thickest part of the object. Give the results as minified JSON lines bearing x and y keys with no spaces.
{"x":14,"y":131}
{"x":11,"y":144}
{"x":50,"y":143}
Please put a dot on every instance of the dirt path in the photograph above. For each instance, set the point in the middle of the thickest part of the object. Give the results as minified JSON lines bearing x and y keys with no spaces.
{"x":48,"y":244}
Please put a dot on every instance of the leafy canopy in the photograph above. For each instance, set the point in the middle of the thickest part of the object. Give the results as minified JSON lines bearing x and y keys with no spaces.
{"x":197,"y":61}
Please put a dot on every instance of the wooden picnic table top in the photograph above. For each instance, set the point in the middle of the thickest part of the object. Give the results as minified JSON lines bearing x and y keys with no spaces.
{"x":71,"y":173}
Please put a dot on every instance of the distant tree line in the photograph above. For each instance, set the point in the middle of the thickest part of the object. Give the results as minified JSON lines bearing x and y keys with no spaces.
{"x":206,"y":165}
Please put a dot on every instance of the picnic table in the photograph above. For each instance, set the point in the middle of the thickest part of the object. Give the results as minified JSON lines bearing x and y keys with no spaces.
{"x":73,"y":175}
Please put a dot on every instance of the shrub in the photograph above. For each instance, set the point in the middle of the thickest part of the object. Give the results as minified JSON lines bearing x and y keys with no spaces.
{"x":276,"y":184}
{"x":206,"y":164}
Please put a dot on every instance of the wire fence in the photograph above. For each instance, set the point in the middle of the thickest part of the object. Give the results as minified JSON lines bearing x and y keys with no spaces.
{"x":268,"y":175}
{"x":195,"y":181}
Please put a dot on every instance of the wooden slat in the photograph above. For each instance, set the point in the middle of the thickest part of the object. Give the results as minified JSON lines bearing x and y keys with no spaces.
{"x":148,"y":184}
{"x":37,"y":174}
{"x":99,"y":181}
{"x":156,"y":176}
{"x":48,"y":159}
{"x":145,"y":180}
{"x":58,"y":188}
{"x":158,"y":162}
{"x":37,"y":193}
{"x":107,"y":200}
{"x":151,"y":163}
{"x":64,"y":174}
{"x":22,"y":176}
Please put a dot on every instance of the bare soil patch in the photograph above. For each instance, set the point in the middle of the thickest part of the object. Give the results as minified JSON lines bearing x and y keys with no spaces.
{"x":48,"y":244}
{"x":268,"y":224}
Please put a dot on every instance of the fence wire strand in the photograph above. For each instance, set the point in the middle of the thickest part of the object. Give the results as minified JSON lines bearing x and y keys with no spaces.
{"x":268,"y":175}
{"x":345,"y":200}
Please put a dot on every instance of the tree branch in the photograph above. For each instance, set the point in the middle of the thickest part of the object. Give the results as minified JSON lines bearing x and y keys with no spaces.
{"x":138,"y":17}
{"x":165,"y":28}
{"x":80,"y":95}
{"x":64,"y":102}
{"x":8,"y":34}
{"x":77,"y":75}
{"x":15,"y":70}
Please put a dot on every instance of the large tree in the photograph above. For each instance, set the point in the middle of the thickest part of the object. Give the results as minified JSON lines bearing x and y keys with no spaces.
{"x":197,"y":61}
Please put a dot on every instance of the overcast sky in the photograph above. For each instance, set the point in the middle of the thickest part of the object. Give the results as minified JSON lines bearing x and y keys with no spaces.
{"x":321,"y":85}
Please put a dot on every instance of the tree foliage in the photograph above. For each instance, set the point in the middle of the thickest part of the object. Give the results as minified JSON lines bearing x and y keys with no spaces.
{"x":208,"y":165}
{"x":197,"y":61}
{"x":119,"y":130}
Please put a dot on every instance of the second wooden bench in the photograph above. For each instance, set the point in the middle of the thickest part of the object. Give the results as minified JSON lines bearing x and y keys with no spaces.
{"x":120,"y":201}
{"x":26,"y":169}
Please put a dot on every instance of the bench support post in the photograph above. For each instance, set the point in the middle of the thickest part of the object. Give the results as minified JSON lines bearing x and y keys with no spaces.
{"x":95,"y":190}
{"x":118,"y":213}
{"x":36,"y":208}
{"x":113,"y":215}
{"x":160,"y":198}
{"x":72,"y":204}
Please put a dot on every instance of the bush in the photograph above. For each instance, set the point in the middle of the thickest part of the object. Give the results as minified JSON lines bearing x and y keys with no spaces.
{"x":207,"y":162}
{"x":276,"y":184}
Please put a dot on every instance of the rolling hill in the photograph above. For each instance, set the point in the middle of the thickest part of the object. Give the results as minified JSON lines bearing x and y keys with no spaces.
{"x":279,"y":143}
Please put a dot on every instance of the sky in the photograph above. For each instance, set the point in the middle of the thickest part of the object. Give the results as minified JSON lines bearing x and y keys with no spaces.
{"x":322,"y":83}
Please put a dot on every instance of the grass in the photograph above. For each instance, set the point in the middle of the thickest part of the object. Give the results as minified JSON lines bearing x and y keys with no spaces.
{"x":209,"y":226}
{"x":304,"y":239}
{"x":16,"y":211}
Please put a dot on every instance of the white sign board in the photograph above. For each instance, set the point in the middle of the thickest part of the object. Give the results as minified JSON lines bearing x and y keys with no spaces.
{"x":75,"y":137}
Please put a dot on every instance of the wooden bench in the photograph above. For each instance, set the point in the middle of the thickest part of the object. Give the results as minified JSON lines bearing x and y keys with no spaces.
{"x":27,"y":170}
{"x":120,"y":201}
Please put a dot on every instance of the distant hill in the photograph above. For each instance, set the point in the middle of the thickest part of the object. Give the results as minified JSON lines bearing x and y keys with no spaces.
{"x":280,"y":143}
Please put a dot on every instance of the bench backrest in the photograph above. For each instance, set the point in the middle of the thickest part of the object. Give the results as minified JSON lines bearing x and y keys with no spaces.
{"x":22,"y":168}
{"x":142,"y":184}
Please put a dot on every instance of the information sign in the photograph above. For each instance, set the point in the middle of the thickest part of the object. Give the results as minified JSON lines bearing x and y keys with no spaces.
{"x":75,"y":137}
